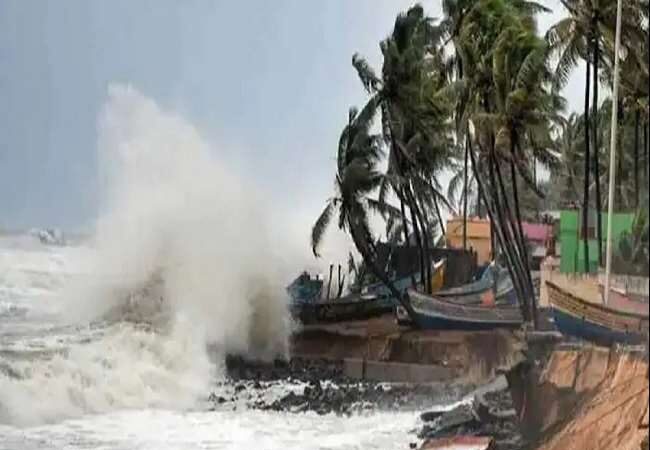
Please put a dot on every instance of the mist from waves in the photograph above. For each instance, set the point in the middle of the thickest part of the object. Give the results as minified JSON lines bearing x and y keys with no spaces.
{"x":191,"y":238}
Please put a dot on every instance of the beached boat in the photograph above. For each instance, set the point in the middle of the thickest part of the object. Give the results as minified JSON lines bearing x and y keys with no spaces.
{"x":350,"y":307}
{"x":484,"y":282}
{"x":434,"y":313}
{"x":493,"y":288}
{"x":597,"y":323}
{"x":492,"y":292}
{"x":305,"y":289}
{"x":374,"y":300}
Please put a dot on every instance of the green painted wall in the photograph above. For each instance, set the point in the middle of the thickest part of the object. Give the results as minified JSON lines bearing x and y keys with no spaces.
{"x":572,"y":257}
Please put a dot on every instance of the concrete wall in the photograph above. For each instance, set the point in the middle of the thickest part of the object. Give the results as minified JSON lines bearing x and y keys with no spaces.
{"x":379,"y":350}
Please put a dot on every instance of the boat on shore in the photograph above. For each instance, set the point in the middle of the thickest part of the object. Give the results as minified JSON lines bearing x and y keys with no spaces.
{"x":434,"y":313}
{"x":593,"y":322}
{"x":372,"y":301}
{"x":494,"y":288}
{"x":305,"y":289}
{"x":348,"y":308}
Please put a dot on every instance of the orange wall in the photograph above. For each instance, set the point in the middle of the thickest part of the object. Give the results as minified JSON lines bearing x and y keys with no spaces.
{"x":478,"y":237}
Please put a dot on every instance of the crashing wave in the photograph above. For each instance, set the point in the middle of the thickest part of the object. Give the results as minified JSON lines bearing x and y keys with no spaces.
{"x":49,"y":236}
{"x":145,"y":304}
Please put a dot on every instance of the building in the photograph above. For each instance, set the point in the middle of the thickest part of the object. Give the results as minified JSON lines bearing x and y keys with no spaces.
{"x":572,"y":258}
{"x":540,"y":241}
{"x":478,"y":237}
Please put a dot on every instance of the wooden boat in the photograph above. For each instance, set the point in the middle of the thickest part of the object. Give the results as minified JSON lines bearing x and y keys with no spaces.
{"x":350,"y":307}
{"x":485,"y":282}
{"x":305,"y":289}
{"x":593,"y":322}
{"x":435,"y":313}
{"x":374,"y":300}
{"x":493,"y":288}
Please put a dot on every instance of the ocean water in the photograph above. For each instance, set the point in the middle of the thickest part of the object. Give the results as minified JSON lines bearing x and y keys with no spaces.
{"x":92,"y":358}
{"x":119,"y":385}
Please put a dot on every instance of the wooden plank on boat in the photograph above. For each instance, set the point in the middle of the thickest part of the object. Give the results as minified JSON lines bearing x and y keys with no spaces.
{"x":595,"y":323}
{"x":428,"y":305}
{"x":598,"y":314}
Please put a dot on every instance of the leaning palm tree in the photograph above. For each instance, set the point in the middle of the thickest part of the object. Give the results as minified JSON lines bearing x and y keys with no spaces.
{"x":495,"y":102}
{"x":414,"y":96}
{"x":357,"y":177}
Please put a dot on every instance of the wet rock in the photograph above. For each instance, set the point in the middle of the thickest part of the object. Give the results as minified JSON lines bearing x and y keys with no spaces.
{"x":490,"y":414}
{"x":430,"y":416}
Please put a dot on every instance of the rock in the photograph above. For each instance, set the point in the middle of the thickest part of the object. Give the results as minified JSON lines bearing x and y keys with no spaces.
{"x":430,"y":416}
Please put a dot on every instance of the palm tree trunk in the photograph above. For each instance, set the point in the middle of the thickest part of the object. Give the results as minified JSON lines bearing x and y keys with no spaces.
{"x":426,"y":235}
{"x":512,"y":241}
{"x":426,"y":239}
{"x":596,"y":151}
{"x":371,"y":263}
{"x":637,"y":124}
{"x":405,"y":227}
{"x":439,"y":215}
{"x":585,"y":202}
{"x":467,"y":138}
{"x":531,"y":288}
{"x":499,"y":234}
{"x":645,"y":152}
{"x":515,"y":231}
{"x":619,"y":168}
{"x":329,"y":281}
{"x":416,"y":231}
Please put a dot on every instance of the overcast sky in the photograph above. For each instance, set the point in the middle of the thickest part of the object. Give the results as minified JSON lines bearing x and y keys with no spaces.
{"x":267,"y":83}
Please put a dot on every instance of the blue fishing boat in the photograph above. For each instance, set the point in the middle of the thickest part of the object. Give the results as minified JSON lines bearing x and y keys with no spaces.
{"x":596,"y":323}
{"x":434,"y":313}
{"x":374,"y":300}
{"x":347,"y":308}
{"x":305,"y":289}
{"x":493,"y":288}
{"x":484,"y":282}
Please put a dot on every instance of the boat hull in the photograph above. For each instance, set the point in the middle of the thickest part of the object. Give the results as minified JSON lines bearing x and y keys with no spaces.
{"x":342,"y":310}
{"x":570,"y":325}
{"x":594,"y":322}
{"x":437,"y":314}
{"x":433,"y":322}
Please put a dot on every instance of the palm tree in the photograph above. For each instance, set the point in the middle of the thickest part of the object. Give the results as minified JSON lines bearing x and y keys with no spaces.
{"x":588,"y":34}
{"x":495,"y":115}
{"x":632,"y":255}
{"x":455,"y":12}
{"x":357,"y":178}
{"x":414,"y":96}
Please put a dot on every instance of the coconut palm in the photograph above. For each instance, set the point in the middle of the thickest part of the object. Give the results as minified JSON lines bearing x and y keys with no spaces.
{"x":632,"y":255}
{"x":414,"y":97}
{"x":588,"y":34}
{"x":510,"y":112}
{"x":357,"y":177}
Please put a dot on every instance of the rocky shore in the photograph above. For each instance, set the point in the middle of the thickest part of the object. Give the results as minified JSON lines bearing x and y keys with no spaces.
{"x":302,"y":385}
{"x":489,"y":414}
{"x":319,"y":386}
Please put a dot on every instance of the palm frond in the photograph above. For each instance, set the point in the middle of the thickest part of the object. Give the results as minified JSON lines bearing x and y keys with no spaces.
{"x":319,"y":228}
{"x":366,"y":74}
